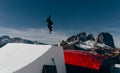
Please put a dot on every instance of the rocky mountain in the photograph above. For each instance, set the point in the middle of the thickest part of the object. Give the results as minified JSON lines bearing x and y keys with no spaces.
{"x":6,"y":39}
{"x":90,"y":37}
{"x":84,"y":41}
{"x":81,"y":37}
{"x":105,"y":38}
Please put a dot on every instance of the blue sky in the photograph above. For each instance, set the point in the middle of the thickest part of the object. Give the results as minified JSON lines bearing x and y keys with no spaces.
{"x":69,"y":17}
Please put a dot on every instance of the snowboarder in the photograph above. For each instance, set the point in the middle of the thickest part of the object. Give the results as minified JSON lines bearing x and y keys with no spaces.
{"x":50,"y":24}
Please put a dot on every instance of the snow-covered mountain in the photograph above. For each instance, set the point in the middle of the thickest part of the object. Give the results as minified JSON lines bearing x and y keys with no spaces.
{"x":84,"y":41}
{"x":6,"y":39}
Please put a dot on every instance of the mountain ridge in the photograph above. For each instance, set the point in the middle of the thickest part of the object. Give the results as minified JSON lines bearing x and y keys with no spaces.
{"x":7,"y":39}
{"x":103,"y":39}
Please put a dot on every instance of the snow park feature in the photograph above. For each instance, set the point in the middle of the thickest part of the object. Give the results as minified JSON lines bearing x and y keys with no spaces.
{"x":29,"y":58}
{"x":82,"y":62}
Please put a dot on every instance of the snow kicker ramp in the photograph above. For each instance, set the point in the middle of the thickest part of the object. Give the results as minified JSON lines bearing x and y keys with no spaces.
{"x":28,"y":58}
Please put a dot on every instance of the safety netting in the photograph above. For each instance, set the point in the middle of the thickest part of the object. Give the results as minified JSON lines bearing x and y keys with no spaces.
{"x":83,"y":59}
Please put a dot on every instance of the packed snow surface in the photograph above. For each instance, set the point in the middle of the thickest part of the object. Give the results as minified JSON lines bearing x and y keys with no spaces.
{"x":15,"y":56}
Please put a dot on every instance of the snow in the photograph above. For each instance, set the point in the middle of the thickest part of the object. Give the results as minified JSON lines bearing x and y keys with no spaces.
{"x":101,"y":45}
{"x":84,"y":46}
{"x":117,"y":65}
{"x":15,"y":56}
{"x":90,"y":43}
{"x":71,"y":42}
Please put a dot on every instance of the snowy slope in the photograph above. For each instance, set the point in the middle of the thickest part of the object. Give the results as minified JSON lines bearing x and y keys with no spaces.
{"x":90,"y":44}
{"x":85,"y":45}
{"x":15,"y":56}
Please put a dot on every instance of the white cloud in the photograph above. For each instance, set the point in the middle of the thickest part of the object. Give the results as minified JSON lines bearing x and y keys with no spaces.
{"x":41,"y":35}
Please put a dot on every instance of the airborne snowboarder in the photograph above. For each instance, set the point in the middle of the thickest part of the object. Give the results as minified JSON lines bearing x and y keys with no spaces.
{"x":50,"y":24}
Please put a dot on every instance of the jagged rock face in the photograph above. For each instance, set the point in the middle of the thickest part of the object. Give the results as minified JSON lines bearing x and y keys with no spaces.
{"x":90,"y":37}
{"x":105,"y":38}
{"x":70,"y":39}
{"x":83,"y":37}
